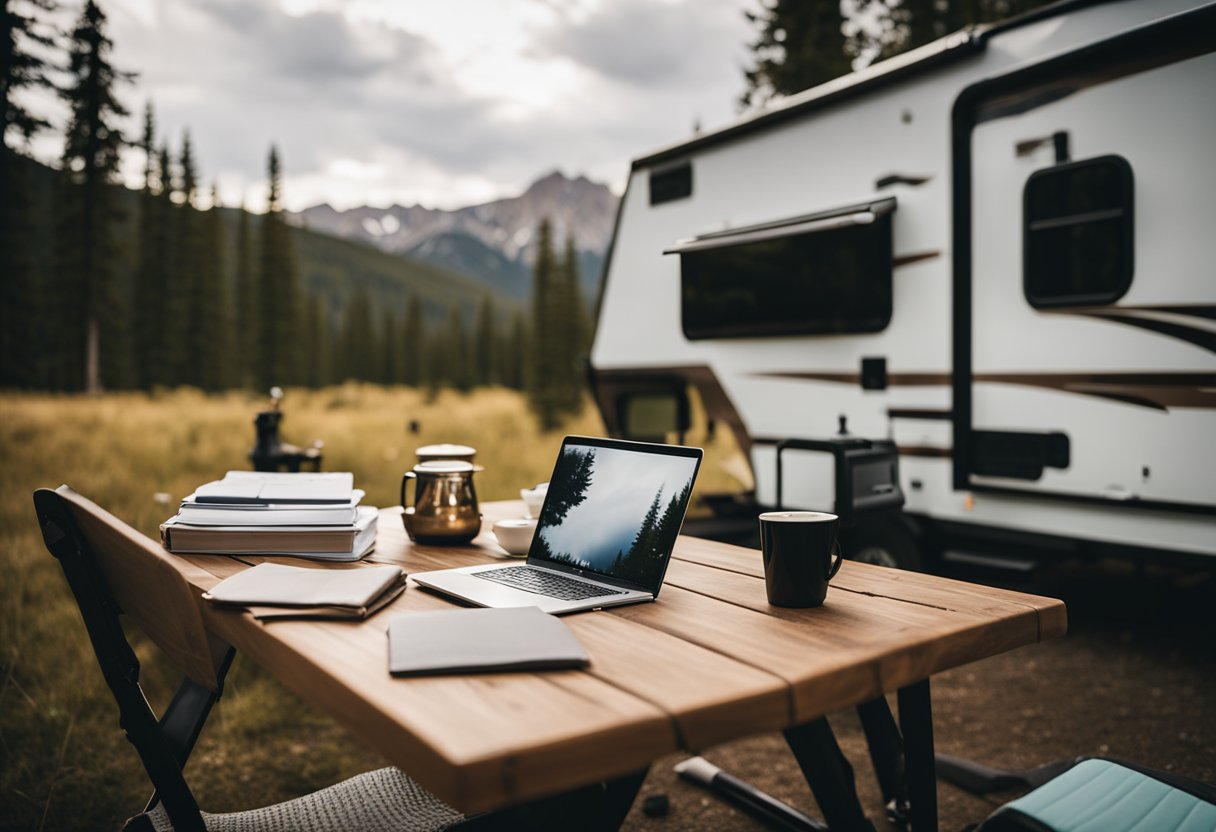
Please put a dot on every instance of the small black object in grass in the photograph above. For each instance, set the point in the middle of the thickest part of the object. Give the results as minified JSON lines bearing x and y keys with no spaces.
{"x":656,"y":806}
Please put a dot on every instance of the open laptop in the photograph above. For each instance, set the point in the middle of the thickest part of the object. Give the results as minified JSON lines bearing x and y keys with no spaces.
{"x":603,"y":538}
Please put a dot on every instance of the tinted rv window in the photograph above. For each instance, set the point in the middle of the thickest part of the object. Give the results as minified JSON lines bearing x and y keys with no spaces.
{"x":1077,"y":233}
{"x":821,"y":282}
{"x":671,"y":183}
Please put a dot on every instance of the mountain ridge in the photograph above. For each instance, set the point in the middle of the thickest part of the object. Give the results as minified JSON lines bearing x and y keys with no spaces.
{"x":493,"y":242}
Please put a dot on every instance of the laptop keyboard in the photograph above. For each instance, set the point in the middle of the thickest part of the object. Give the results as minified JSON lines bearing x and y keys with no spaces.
{"x":545,"y":583}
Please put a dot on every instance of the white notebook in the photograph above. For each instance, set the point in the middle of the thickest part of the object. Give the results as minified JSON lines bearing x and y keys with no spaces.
{"x":302,"y":592}
{"x":260,"y":488}
{"x":481,"y":640}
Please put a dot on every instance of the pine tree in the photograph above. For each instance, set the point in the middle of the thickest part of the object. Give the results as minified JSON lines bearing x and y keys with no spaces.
{"x":88,"y":273}
{"x":437,"y":372}
{"x":413,"y":359}
{"x":359,"y":345}
{"x":643,"y":544}
{"x":278,"y":296}
{"x":162,"y":364}
{"x":21,"y":68}
{"x":332,"y":359}
{"x":517,"y":353}
{"x":913,"y":23}
{"x":214,"y":313}
{"x":485,"y":338}
{"x":190,"y":283}
{"x":149,"y":288}
{"x":542,"y":394}
{"x":459,"y":361}
{"x":316,"y":338}
{"x":569,"y":330}
{"x":798,"y":46}
{"x":669,"y":524}
{"x":245,"y":278}
{"x":21,"y":284}
{"x":572,"y":479}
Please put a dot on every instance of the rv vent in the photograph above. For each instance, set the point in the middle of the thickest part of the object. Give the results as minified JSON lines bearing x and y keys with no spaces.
{"x":670,"y":184}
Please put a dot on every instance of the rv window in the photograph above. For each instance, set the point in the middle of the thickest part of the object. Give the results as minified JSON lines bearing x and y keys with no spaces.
{"x":671,"y":184}
{"x":833,"y":278}
{"x":1077,"y":233}
{"x":654,"y":413}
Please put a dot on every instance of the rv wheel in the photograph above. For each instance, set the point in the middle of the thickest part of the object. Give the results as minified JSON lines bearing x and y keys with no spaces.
{"x":883,"y":542}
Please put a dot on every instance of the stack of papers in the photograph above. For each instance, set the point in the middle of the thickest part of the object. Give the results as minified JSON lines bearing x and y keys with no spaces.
{"x":274,"y":591}
{"x":255,"y":513}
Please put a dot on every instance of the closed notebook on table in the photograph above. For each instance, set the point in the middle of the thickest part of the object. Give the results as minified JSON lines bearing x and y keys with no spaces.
{"x":194,"y":513}
{"x":479,"y":641}
{"x":273,"y":590}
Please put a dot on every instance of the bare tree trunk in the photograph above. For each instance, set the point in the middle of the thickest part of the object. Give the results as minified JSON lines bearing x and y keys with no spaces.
{"x":92,"y":359}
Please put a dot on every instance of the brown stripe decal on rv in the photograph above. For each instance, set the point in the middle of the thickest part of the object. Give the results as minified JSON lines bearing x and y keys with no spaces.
{"x":931,"y":414}
{"x":904,"y":450}
{"x":914,"y":257}
{"x":923,"y":450}
{"x":1159,"y":391}
{"x":1149,"y":317}
{"x":893,"y":379}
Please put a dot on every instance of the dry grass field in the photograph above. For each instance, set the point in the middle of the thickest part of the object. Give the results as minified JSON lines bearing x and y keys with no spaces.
{"x":63,"y":761}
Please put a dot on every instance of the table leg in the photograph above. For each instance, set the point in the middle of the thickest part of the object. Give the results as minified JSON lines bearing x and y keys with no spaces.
{"x":828,"y":773}
{"x":886,"y":748}
{"x":916,"y":723}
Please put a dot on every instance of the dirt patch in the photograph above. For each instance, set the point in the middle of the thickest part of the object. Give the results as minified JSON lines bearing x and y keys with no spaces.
{"x":1133,"y":679}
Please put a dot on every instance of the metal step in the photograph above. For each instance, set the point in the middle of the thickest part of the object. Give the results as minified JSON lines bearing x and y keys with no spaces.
{"x":1004,"y":563}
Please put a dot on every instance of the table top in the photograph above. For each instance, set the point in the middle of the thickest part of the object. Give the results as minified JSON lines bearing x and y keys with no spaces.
{"x":708,"y":662}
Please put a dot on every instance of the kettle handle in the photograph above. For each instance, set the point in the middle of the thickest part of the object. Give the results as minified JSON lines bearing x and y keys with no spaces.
{"x":405,"y":478}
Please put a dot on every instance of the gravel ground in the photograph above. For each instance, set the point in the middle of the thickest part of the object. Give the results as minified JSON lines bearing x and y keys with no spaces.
{"x":1133,"y":679}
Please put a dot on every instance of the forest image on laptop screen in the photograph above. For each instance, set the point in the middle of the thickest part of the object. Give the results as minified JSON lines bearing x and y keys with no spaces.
{"x":614,"y":511}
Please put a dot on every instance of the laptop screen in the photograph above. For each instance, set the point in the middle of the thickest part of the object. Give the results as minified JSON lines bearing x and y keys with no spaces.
{"x":615,"y":508}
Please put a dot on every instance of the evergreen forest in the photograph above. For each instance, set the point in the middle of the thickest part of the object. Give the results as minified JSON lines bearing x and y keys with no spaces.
{"x":108,"y":288}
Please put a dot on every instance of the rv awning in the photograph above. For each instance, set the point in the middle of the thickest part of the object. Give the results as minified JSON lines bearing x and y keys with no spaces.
{"x":861,"y":214}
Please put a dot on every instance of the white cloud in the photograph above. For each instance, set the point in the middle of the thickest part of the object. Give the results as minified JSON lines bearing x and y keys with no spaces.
{"x":440,"y":103}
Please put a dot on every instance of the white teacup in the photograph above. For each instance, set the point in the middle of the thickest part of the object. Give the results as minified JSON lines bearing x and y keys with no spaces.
{"x":515,"y":535}
{"x":534,"y":498}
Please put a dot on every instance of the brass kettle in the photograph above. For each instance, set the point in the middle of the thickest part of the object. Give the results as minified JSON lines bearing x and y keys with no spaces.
{"x":445,"y":506}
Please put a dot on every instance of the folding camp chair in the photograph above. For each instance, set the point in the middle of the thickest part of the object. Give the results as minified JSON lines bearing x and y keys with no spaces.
{"x":111,"y":568}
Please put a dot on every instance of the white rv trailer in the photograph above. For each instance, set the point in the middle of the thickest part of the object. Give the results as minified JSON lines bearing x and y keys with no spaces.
{"x":996,"y":252}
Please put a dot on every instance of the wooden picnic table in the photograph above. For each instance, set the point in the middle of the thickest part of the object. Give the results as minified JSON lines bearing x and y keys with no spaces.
{"x":709,"y":661}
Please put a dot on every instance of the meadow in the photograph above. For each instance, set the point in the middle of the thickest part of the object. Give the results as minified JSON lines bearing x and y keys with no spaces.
{"x":64,"y":763}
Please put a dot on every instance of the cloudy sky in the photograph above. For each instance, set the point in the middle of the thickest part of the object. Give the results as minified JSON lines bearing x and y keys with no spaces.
{"x":439,"y":102}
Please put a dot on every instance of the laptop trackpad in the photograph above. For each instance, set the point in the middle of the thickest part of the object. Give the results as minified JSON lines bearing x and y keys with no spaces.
{"x":490,"y":594}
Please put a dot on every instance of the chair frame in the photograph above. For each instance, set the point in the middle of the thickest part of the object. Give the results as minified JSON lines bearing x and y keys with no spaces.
{"x":163,"y":745}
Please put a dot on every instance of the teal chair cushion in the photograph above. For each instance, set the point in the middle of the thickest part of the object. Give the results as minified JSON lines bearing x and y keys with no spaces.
{"x":1103,"y":796}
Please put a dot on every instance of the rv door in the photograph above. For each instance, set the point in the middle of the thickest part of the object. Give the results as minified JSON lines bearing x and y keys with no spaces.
{"x":1091,"y":343}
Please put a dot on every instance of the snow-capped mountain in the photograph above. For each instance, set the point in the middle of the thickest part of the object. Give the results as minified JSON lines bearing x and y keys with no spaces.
{"x":494,"y":242}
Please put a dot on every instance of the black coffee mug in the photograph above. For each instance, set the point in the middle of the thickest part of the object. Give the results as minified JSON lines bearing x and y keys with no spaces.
{"x":798,"y":548}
